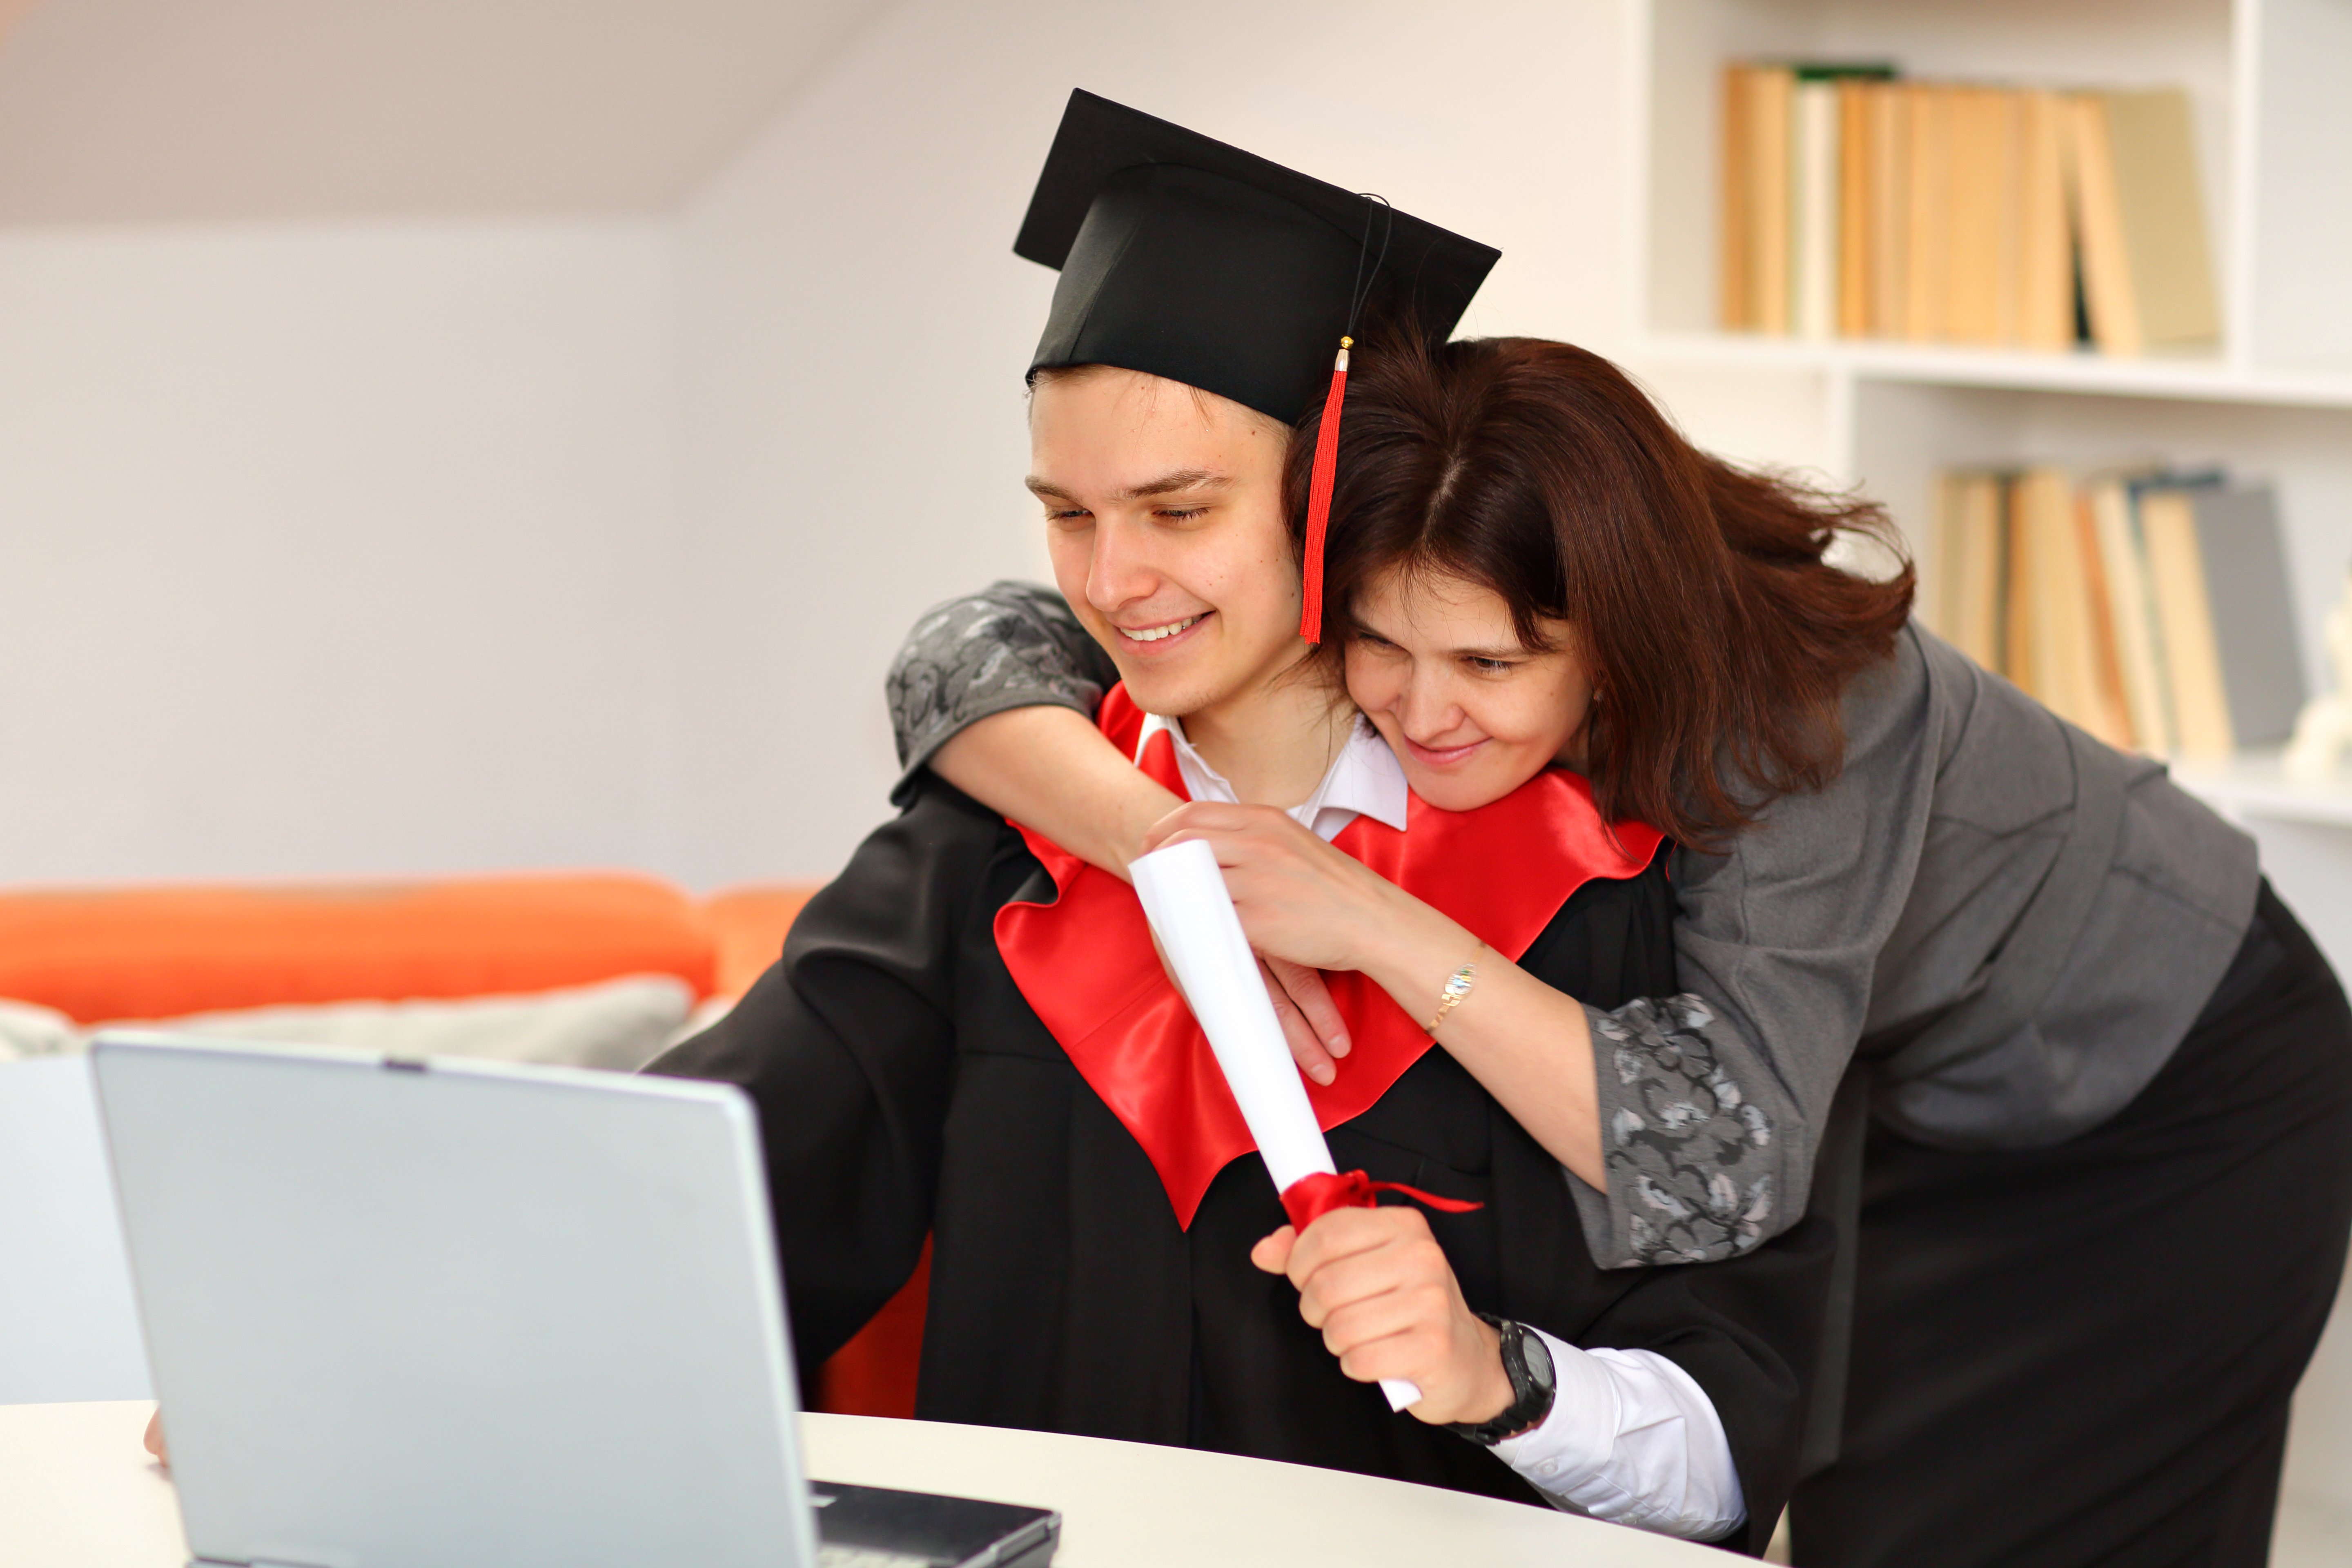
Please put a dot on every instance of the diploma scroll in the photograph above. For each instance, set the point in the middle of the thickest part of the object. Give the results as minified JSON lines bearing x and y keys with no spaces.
{"x":1184,"y":897}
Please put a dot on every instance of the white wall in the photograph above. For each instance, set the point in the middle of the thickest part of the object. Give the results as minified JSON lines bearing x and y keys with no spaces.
{"x":403,"y":546}
{"x":333,"y":549}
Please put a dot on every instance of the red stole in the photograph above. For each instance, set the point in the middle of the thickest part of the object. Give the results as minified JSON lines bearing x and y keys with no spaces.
{"x":1086,"y":963}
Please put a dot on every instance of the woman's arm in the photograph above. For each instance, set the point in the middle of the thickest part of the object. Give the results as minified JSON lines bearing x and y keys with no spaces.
{"x":1010,"y":647}
{"x":1528,"y":1045}
{"x":996,"y":694}
{"x":1052,"y":769}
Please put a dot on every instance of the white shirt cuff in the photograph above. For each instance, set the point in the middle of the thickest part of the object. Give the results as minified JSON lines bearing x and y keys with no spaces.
{"x":1632,"y":1439}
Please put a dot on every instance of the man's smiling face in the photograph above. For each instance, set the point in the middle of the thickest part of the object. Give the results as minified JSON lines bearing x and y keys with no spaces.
{"x":1163,"y":517}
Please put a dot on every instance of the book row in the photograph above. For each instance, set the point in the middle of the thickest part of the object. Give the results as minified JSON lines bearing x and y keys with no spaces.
{"x":2153,"y":609}
{"x":1858,"y":205}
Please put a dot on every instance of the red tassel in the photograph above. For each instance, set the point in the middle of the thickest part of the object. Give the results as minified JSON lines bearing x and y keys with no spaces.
{"x":1309,"y":1198}
{"x":1318,"y":495}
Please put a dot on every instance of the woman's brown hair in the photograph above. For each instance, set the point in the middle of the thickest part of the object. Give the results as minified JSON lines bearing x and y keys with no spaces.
{"x":1717,"y":638}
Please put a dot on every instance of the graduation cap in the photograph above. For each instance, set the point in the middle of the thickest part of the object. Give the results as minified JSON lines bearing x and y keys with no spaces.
{"x":1183,"y":257}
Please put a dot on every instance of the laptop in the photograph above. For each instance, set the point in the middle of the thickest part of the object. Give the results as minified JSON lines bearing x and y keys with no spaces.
{"x":406,"y":1312}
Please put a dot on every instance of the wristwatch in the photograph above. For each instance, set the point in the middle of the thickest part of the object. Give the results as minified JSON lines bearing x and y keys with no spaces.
{"x":1527,"y":1362}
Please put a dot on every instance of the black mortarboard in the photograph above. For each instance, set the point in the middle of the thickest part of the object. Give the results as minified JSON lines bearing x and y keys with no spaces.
{"x":1185,"y":257}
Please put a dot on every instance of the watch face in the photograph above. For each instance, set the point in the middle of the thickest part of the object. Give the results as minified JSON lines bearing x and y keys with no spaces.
{"x":1538,"y":1356}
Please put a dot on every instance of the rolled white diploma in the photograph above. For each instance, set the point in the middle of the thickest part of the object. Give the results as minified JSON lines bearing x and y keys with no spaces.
{"x":1184,"y":897}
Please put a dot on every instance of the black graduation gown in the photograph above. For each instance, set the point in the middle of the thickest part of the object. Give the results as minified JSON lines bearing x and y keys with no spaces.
{"x":905,"y":1088}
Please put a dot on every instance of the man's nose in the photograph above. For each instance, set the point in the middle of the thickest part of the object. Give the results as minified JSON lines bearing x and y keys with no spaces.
{"x":1122,"y":570}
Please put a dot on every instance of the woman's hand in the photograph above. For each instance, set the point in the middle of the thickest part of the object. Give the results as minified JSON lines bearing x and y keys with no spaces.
{"x":154,"y":1439}
{"x":1301,"y":900}
{"x":1378,"y":1285}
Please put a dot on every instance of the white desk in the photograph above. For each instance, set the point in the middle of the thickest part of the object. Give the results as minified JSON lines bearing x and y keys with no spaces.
{"x":77,"y":1491}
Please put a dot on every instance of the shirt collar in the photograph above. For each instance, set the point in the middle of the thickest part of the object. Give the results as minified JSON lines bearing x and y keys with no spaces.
{"x":1364,"y":780}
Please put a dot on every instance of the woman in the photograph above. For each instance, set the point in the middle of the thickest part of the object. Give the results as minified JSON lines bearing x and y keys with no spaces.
{"x":2105,"y":1058}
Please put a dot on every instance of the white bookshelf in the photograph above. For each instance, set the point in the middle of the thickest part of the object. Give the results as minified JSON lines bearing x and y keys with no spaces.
{"x":2271,"y":401}
{"x":2253,"y":786}
{"x":2197,"y":380}
{"x":2264,"y":78}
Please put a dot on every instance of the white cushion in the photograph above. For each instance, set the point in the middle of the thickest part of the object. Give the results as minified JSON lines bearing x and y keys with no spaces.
{"x":617,"y":1024}
{"x":27,"y":1029}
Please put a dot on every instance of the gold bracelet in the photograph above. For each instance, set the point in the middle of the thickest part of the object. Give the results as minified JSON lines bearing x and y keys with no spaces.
{"x":1457,"y":986}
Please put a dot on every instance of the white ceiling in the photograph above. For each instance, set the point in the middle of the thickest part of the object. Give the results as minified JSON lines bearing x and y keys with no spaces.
{"x":115,"y":111}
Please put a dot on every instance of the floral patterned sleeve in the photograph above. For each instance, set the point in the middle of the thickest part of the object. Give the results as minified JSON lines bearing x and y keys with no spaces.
{"x":1012,"y":645}
{"x":1689,"y":1155}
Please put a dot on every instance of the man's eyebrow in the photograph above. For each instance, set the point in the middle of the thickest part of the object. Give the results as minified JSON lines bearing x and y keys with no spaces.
{"x":1179,"y":480}
{"x":1168,"y":483}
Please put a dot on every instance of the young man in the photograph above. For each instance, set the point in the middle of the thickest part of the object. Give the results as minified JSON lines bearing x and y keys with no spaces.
{"x":967,"y":1036}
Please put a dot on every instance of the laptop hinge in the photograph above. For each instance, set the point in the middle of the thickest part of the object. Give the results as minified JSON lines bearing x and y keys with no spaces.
{"x":246,"y":1563}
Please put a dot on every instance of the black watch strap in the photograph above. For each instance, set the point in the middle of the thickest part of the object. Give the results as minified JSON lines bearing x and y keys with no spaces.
{"x":1527,"y":1364}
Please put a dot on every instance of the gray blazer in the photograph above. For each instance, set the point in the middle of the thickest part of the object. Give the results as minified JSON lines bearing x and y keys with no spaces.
{"x":1870,"y":915}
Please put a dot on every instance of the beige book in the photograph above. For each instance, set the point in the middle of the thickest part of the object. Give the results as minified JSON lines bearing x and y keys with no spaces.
{"x":1979,"y":153}
{"x":2106,"y":687}
{"x":2045,"y":254}
{"x":2044,"y":661}
{"x":1951,"y":486}
{"x":1771,"y":95}
{"x":1927,"y":204}
{"x":2131,"y":615}
{"x":1737,"y":177}
{"x":1857,"y":224}
{"x":1970,"y":548}
{"x":1889,"y":156}
{"x":2107,"y":296}
{"x":2006,"y":118}
{"x":2193,"y":658}
{"x":2154,"y":144}
{"x":2020,"y":575}
{"x":1814,"y":283}
{"x":2147,"y":277}
{"x":2063,"y":660}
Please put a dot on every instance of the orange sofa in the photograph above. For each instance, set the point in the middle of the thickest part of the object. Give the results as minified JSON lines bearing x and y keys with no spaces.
{"x":97,"y":954}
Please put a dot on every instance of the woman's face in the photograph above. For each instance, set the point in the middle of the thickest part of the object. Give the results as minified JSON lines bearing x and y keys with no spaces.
{"x":1471,"y":712}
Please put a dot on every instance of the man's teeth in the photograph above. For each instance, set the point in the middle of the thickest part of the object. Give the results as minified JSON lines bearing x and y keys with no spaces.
{"x":1154,"y":634}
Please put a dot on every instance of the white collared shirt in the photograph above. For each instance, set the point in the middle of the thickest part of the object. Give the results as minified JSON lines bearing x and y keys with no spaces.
{"x":1364,"y":780}
{"x":1632,"y":1437}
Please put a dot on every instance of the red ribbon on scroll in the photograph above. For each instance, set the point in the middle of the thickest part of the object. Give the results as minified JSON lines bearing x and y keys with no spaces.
{"x":1309,"y":1198}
